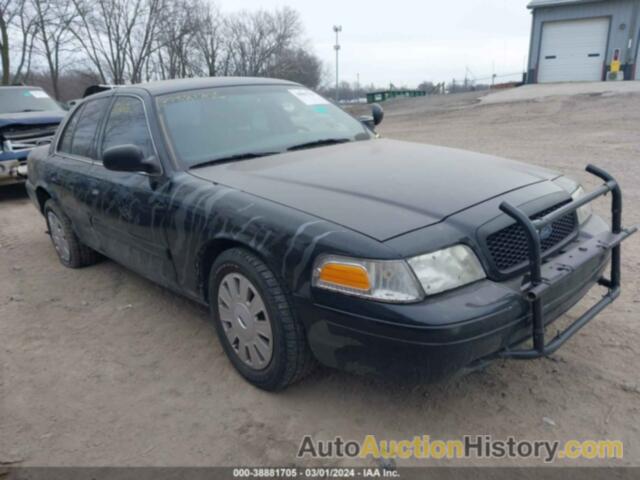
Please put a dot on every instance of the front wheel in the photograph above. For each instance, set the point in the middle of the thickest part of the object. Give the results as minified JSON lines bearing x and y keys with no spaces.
{"x":255,"y":321}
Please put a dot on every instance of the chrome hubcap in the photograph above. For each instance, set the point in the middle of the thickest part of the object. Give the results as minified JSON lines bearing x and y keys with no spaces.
{"x":245,"y":320}
{"x":58,"y":237}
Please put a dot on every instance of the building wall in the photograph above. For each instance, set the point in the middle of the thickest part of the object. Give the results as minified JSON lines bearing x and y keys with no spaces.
{"x":620,"y":11}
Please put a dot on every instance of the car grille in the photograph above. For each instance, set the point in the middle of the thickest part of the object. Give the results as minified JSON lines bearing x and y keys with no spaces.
{"x":509,"y":247}
{"x":19,"y":139}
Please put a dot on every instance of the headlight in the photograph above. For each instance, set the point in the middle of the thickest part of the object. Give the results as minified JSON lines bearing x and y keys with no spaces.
{"x":397,"y":281}
{"x":576,"y":191}
{"x":383,"y":280}
{"x":446,"y":269}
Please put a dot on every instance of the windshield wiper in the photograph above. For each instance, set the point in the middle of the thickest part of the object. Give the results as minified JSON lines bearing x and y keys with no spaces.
{"x":319,"y":143}
{"x":231,"y":158}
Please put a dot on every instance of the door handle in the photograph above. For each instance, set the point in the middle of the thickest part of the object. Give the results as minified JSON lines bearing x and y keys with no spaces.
{"x":95,"y":192}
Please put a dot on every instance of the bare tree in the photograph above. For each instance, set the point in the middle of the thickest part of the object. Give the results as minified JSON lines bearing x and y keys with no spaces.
{"x":6,"y":16}
{"x":89,"y":31}
{"x":124,"y":41}
{"x":195,"y":39}
{"x":140,"y":41}
{"x":72,"y":82}
{"x":255,"y":39}
{"x":54,"y":19}
{"x":211,"y":41}
{"x":297,"y":65}
{"x":118,"y":36}
{"x":17,"y":26}
{"x":176,"y":55}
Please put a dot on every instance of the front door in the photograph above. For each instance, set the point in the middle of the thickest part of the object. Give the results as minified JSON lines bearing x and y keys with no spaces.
{"x":128,"y":209}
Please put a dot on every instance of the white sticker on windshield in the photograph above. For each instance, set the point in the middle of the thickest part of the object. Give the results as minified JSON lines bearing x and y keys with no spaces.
{"x":307,"y":96}
{"x":38,"y":94}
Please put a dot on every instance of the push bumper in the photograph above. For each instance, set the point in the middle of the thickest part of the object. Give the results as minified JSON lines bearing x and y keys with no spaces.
{"x":539,"y":285}
{"x":487,"y":320}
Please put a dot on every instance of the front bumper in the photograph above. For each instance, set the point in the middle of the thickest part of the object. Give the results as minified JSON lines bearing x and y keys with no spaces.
{"x":446,"y":333}
{"x":13,"y":167}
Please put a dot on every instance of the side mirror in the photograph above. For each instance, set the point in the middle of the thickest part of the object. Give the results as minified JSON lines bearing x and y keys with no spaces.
{"x":370,"y":121}
{"x":128,"y":158}
{"x":378,"y":113}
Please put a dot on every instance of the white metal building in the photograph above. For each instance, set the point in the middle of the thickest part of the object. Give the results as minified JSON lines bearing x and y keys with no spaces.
{"x":577,"y":40}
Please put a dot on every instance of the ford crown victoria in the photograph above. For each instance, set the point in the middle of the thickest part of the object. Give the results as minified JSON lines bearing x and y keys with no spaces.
{"x":311,"y":239}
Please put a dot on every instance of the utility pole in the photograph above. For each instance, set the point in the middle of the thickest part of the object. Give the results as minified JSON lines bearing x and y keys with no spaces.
{"x":337,"y":29}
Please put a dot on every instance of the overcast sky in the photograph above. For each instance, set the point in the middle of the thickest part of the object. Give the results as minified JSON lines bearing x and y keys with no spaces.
{"x":407,"y":41}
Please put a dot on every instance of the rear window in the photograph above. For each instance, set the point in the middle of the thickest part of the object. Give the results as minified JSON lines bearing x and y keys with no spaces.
{"x":67,"y":136}
{"x":78,"y":138}
{"x":18,"y":100}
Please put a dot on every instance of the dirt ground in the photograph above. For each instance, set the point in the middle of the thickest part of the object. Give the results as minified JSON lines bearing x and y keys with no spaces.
{"x":101,"y":367}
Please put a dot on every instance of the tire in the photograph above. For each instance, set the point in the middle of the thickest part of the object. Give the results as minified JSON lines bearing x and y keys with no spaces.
{"x":290,"y":357}
{"x":75,"y":254}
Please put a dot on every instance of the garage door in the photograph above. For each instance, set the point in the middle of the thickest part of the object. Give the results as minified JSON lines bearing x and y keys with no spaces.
{"x":573,"y":51}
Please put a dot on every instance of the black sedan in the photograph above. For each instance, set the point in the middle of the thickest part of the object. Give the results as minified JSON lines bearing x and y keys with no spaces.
{"x":309,"y":238}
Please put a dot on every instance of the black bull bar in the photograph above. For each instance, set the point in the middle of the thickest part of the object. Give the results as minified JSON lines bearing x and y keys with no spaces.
{"x":535,"y":289}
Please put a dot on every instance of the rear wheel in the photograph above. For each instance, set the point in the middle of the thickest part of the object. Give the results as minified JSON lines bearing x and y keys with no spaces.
{"x":71,"y":251}
{"x":255,"y":321}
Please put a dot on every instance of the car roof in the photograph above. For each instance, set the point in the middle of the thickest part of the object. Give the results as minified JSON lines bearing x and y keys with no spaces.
{"x":163,"y":87}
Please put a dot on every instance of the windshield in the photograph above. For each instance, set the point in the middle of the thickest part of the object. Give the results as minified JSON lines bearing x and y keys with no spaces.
{"x":228,"y":123}
{"x":16,"y":100}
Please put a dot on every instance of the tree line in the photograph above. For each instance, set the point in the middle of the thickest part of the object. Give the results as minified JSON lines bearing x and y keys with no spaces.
{"x":132,"y":41}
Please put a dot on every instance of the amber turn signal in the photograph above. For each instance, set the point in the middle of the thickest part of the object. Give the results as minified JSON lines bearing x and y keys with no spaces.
{"x":383,"y":280}
{"x":345,"y":275}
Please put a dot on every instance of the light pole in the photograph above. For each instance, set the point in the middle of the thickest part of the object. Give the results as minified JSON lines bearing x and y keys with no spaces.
{"x":337,"y":29}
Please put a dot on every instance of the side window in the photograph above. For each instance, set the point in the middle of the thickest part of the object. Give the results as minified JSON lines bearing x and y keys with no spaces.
{"x":85,"y":132}
{"x":127,"y":124}
{"x":67,"y":136}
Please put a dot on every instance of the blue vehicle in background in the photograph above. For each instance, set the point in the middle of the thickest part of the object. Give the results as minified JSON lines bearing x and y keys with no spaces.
{"x":28,"y":119}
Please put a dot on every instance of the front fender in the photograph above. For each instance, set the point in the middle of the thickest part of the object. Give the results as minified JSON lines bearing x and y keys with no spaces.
{"x":205,"y":218}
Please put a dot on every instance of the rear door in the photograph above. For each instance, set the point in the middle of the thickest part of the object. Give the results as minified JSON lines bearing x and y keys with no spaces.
{"x":573,"y":51}
{"x":68,"y":172}
{"x":128,"y":209}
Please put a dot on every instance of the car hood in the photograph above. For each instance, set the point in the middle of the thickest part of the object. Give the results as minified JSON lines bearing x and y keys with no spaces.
{"x":31,"y":118}
{"x":381,"y":188}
